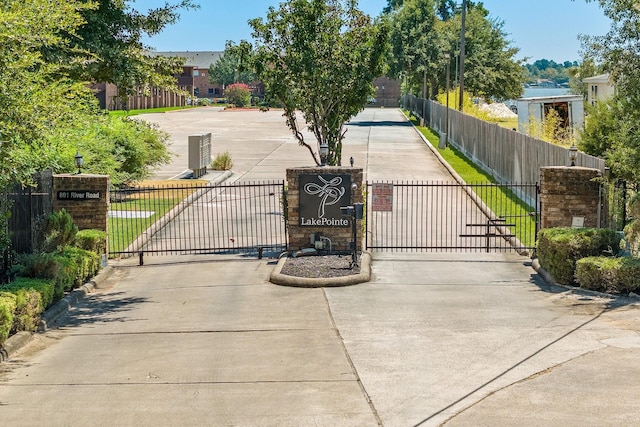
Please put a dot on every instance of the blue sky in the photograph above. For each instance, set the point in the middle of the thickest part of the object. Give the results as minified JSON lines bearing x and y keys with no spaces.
{"x":540,"y":28}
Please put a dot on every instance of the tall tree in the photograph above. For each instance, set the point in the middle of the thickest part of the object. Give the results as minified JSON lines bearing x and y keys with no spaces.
{"x":420,"y":39}
{"x":417,"y":45}
{"x":319,"y":57}
{"x":108,"y":46}
{"x":618,"y":53}
{"x":36,"y":96}
{"x":233,"y":66}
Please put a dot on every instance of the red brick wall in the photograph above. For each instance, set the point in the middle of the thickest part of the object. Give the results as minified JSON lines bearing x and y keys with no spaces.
{"x":568,"y":192}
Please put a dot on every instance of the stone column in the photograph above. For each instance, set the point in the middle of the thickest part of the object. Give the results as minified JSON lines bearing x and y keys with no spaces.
{"x":85,"y":197}
{"x":570,"y":197}
{"x":314,"y":198}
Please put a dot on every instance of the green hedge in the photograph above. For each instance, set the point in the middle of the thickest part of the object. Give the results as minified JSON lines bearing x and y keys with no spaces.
{"x":92,"y":240}
{"x":25,"y":299}
{"x":606,"y":274}
{"x":559,"y":249}
{"x":7,"y":310}
{"x":68,"y":268}
{"x":42,"y":278}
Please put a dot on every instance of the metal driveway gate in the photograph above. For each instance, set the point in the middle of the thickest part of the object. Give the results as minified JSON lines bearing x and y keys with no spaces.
{"x":448,"y":216}
{"x":242,"y":217}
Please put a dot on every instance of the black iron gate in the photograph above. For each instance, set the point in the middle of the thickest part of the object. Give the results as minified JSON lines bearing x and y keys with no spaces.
{"x":188,"y":218}
{"x":448,"y":216}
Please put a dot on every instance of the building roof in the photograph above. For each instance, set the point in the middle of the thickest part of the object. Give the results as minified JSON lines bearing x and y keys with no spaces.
{"x":201,"y":59}
{"x":602,"y":78}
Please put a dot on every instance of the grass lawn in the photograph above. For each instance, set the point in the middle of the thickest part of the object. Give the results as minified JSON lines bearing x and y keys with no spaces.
{"x":153,"y":197}
{"x":499,"y":199}
{"x":119,"y":113}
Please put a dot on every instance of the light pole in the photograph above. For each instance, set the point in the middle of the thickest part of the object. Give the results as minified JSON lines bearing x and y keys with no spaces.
{"x":462,"y":53}
{"x":444,"y":138}
{"x":446,"y":115}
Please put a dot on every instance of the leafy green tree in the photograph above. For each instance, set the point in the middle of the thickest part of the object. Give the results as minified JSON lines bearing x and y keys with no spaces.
{"x":107,"y":46}
{"x":587,"y":68}
{"x":417,"y":46}
{"x":598,"y":136}
{"x":423,"y":31}
{"x":618,"y":53}
{"x":35,"y":95}
{"x":320,"y":58}
{"x":233,"y":66}
{"x":490,"y":68}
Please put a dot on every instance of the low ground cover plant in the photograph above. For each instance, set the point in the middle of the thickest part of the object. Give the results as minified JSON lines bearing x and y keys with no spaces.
{"x":222,"y":162}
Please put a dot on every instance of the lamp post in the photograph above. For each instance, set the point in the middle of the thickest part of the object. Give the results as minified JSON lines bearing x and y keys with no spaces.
{"x":324,"y":153}
{"x":79,"y":161}
{"x":573,"y":155}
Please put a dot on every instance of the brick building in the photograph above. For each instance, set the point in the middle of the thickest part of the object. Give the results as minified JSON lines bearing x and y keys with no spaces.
{"x":194,"y":83}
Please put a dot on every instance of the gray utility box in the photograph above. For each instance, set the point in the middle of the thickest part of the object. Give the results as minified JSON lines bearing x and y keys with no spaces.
{"x":199,"y":153}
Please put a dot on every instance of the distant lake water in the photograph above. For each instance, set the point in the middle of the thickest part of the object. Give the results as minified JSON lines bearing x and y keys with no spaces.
{"x":533,"y":92}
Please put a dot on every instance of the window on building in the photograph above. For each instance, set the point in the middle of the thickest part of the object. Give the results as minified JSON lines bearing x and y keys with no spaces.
{"x":210,"y":91}
{"x":196,"y":73}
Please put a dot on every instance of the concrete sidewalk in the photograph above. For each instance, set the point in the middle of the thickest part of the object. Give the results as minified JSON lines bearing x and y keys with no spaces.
{"x":433,"y":339}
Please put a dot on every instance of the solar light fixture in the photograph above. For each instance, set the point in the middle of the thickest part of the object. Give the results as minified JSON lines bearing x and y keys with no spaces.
{"x":573,"y":155}
{"x":324,"y":153}
{"x":79,"y":161}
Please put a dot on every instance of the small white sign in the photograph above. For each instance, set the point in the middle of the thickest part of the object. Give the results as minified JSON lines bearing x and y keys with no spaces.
{"x":577,"y":222}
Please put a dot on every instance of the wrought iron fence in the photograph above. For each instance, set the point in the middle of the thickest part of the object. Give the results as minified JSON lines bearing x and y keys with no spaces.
{"x":448,"y":216}
{"x":616,"y":197}
{"x":197,"y":219}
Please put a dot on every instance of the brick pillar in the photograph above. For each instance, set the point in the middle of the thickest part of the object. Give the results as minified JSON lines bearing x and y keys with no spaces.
{"x":85,"y":197}
{"x":305,"y":216}
{"x":569,"y":196}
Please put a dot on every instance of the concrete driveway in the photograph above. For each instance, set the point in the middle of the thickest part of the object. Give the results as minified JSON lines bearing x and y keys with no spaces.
{"x":435,"y":338}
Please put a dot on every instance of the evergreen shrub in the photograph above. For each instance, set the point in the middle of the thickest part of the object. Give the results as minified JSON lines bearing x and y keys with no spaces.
{"x":560,"y":248}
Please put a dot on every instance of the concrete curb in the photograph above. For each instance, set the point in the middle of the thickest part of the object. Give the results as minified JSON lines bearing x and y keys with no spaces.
{"x":305,"y":282}
{"x":49,"y":317}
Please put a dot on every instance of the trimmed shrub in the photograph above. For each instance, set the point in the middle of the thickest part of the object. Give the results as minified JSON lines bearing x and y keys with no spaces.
{"x":45,"y":287}
{"x":41,"y":266}
{"x":558,"y":249}
{"x":68,"y":268}
{"x":92,"y":240}
{"x":238,"y":94}
{"x":599,"y":273}
{"x":28,"y":309}
{"x":7,"y":308}
{"x":629,"y":275}
{"x":82,"y":264}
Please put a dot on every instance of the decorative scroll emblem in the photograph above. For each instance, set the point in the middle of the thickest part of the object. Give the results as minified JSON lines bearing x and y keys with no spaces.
{"x":321,"y":196}
{"x":329,"y":192}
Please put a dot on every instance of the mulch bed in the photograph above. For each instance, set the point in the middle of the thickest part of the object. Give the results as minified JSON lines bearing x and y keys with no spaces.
{"x":319,"y":266}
